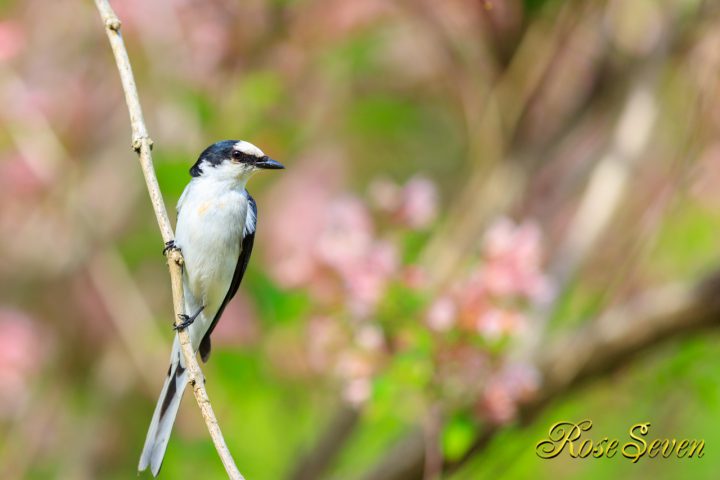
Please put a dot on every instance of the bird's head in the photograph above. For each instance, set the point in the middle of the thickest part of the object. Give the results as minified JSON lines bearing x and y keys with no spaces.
{"x":232,"y":159}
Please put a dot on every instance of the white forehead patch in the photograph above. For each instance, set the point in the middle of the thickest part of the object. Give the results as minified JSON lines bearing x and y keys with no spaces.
{"x":248,"y":149}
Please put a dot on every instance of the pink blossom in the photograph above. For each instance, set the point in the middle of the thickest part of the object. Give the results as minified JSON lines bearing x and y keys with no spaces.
{"x":460,"y":306}
{"x":346,"y":234}
{"x":370,"y":337}
{"x":414,"y":205}
{"x":209,"y":39}
{"x":497,"y":402}
{"x":355,"y":372}
{"x":497,"y":322}
{"x":485,"y":301}
{"x":326,"y":242}
{"x":415,"y":277}
{"x":12,"y":40}
{"x":473,"y":300}
{"x":367,"y":278}
{"x":513,"y":255}
{"x":18,"y":178}
{"x":504,"y":391}
{"x":290,"y":228}
{"x":522,"y":379}
{"x":442,"y":314}
{"x":346,"y":246}
{"x":348,"y":15}
{"x":419,"y":204}
{"x":353,"y":365}
{"x":506,"y":240}
{"x":333,"y":19}
{"x":324,"y":339}
{"x":22,"y":354}
{"x":357,"y":391}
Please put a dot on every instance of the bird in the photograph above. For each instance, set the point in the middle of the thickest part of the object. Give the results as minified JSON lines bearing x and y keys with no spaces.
{"x":215,"y":231}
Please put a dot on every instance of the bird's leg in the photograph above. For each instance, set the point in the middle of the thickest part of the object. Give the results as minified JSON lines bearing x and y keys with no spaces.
{"x":187,"y":320}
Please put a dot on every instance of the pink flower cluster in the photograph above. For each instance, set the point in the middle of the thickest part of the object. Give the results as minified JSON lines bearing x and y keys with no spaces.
{"x":328,"y":242}
{"x":490,"y":300}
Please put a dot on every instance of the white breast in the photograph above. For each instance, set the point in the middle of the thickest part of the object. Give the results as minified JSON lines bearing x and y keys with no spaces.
{"x":209,"y":232}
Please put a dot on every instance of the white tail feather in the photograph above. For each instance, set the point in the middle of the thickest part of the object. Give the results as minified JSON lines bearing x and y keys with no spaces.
{"x":161,"y":425}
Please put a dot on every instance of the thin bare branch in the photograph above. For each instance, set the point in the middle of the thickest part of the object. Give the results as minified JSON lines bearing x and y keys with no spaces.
{"x":607,"y":188}
{"x":142,"y":145}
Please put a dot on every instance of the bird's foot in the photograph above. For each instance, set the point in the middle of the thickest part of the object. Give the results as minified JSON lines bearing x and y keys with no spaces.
{"x":170,"y":246}
{"x":187,"y":320}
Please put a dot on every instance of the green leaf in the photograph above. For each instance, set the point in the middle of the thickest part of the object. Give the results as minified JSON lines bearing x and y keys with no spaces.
{"x":457,"y":436}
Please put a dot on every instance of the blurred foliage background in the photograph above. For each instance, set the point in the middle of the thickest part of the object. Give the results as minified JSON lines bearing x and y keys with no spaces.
{"x":466,"y":181}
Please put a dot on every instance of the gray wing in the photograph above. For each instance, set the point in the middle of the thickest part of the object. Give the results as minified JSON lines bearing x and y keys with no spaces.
{"x":246,"y":246}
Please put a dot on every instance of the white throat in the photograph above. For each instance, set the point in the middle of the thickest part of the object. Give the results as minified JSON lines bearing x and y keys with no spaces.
{"x":227,"y":175}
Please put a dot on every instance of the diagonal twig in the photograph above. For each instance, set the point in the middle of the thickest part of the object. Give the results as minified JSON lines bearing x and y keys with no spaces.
{"x":142,"y":145}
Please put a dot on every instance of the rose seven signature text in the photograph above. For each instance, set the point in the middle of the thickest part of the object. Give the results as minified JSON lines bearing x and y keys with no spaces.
{"x":567,"y":437}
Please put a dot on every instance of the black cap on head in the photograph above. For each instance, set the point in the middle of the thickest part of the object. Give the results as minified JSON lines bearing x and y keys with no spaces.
{"x":236,"y":151}
{"x":213,"y":155}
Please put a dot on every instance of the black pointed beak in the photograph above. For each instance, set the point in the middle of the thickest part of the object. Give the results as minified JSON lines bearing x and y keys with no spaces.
{"x":268,"y":163}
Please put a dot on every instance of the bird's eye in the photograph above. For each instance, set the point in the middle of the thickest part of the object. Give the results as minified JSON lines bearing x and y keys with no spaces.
{"x":237,"y":155}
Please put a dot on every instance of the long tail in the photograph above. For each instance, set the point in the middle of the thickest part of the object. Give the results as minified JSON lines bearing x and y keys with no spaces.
{"x":165,"y":412}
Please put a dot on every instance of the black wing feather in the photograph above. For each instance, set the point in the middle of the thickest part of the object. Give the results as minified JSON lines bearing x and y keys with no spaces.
{"x":246,"y":246}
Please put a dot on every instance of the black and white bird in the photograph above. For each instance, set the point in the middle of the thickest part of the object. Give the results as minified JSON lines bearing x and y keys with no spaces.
{"x":215,"y":230}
